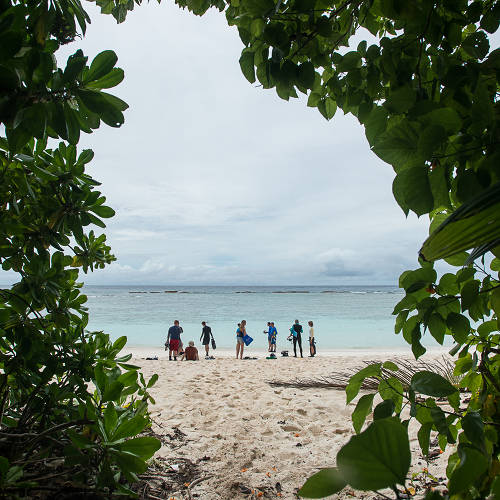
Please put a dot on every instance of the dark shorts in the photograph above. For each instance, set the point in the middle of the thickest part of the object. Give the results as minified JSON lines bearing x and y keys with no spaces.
{"x":174,"y":345}
{"x":206,"y":341}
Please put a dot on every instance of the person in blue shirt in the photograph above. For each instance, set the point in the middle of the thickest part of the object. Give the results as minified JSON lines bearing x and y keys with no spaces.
{"x":173,"y":340}
{"x":273,"y":333}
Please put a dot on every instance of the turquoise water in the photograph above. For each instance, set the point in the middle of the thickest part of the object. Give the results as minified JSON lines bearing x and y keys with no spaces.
{"x":344,"y":317}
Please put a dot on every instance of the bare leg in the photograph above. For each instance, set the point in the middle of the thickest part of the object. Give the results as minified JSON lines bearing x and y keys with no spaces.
{"x":237,"y":350}
{"x":241,"y":351}
{"x":207,"y":348}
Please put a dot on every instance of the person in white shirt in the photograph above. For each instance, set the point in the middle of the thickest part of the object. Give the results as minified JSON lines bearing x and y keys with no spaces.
{"x":312,"y":343}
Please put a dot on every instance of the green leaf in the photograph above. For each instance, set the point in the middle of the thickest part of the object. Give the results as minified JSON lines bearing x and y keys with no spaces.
{"x":357,"y":379}
{"x":473,"y":464}
{"x":120,"y":342}
{"x":306,"y":75}
{"x":423,"y":435}
{"x":377,"y":458}
{"x":401,"y":100}
{"x":385,"y":409}
{"x":106,"y":212}
{"x":412,"y":190}
{"x":152,"y":381}
{"x":327,"y":107}
{"x":113,"y":392}
{"x":399,"y":145}
{"x":447,"y":118}
{"x":129,"y":462}
{"x":247,"y":65}
{"x":102,"y":64}
{"x":362,"y":410}
{"x":473,"y":426}
{"x":437,"y":327}
{"x":392,"y":389}
{"x":475,"y":223}
{"x":130,"y":427}
{"x":431,"y":384}
{"x":144,"y":447}
{"x":469,"y":293}
{"x":459,"y":326}
{"x":112,"y":79}
{"x":322,"y":484}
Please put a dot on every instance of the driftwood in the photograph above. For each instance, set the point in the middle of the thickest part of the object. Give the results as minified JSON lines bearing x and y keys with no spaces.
{"x":340,"y":380}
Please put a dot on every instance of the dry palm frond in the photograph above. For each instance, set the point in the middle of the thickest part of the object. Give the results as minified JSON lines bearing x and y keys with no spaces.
{"x":407,"y":368}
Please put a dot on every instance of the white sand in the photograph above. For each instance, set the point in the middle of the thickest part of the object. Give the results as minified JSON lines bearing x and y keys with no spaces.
{"x":257,"y":435}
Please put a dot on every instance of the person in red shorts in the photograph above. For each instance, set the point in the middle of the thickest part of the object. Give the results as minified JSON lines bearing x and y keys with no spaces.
{"x":191,"y":353}
{"x":173,"y":340}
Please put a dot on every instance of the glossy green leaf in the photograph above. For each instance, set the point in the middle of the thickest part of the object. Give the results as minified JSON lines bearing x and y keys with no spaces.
{"x":473,"y":464}
{"x":474,"y":223}
{"x":144,"y":447}
{"x":362,"y":410}
{"x":431,"y":384}
{"x":102,"y":64}
{"x":247,"y":65}
{"x":322,"y":484}
{"x":377,"y":458}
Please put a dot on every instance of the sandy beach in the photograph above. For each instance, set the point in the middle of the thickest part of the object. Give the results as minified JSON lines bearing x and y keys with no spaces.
{"x":248,"y":439}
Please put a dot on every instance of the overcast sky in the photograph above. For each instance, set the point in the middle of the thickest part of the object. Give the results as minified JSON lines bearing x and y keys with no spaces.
{"x":216,"y":181}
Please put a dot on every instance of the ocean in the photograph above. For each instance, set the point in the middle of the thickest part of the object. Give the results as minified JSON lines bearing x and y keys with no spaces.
{"x":345,"y":317}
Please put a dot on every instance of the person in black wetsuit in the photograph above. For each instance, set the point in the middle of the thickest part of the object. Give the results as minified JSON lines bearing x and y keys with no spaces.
{"x":206,"y":333}
{"x":297,"y":337}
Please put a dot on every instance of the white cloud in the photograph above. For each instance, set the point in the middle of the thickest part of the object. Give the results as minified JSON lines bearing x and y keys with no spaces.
{"x":216,"y":181}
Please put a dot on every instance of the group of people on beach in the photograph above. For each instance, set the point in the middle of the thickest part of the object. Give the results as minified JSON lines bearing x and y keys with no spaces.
{"x":175,"y":347}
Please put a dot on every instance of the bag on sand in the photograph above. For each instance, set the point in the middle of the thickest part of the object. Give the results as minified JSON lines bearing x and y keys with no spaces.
{"x":213,"y":344}
{"x":247,"y":339}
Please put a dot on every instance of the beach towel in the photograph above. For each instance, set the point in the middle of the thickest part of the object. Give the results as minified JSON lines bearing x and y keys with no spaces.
{"x":247,"y":339}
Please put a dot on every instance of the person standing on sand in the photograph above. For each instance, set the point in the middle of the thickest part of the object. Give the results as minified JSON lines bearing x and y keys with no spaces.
{"x":173,"y":340}
{"x":312,"y":342}
{"x":268,"y":331}
{"x":297,"y":337}
{"x":206,"y":333}
{"x":273,"y":333}
{"x":240,"y":344}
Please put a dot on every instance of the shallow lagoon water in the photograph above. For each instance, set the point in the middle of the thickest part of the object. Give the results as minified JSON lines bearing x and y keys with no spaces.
{"x":344,"y":316}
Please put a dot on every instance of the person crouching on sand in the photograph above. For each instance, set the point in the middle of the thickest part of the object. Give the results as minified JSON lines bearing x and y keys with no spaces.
{"x":173,"y":340}
{"x":191,"y":353}
{"x":240,"y":344}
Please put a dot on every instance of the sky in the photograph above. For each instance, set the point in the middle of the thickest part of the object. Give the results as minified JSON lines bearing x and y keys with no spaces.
{"x":217,"y":181}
